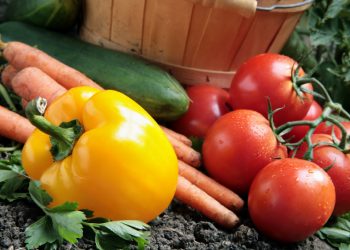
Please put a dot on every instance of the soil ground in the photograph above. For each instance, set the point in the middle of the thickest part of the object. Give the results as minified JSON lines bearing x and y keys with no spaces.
{"x":179,"y":227}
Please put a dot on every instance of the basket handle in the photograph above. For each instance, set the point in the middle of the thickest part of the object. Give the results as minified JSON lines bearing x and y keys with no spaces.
{"x":245,"y":8}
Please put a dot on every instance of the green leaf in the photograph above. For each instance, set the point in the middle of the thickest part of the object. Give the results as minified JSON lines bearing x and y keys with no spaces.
{"x":325,"y":35}
{"x":68,"y":224}
{"x":67,"y":221}
{"x":337,"y":234}
{"x":120,"y":234}
{"x":335,"y":7}
{"x":343,"y":223}
{"x":52,"y":246}
{"x":40,"y":233}
{"x":136,"y":224}
{"x":347,"y":76}
{"x":105,"y":241}
{"x":14,"y":196}
{"x":8,"y":190}
{"x":16,"y":158}
{"x":65,"y":207}
{"x":128,"y":230}
{"x":38,"y":195}
{"x":6,"y":175}
{"x":343,"y":246}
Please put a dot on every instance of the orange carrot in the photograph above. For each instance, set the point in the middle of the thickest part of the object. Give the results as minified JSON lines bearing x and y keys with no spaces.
{"x":219,"y":192}
{"x":21,"y":55}
{"x":7,"y":74}
{"x":185,"y":153}
{"x":14,"y":126}
{"x":201,"y":201}
{"x":31,"y":82}
{"x":180,"y":137}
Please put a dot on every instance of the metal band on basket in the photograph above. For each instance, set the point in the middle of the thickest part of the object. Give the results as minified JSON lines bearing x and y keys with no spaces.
{"x":284,"y":6}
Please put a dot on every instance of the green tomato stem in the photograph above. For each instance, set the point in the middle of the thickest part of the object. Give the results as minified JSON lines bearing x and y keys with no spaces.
{"x":301,"y":81}
{"x":343,"y":142}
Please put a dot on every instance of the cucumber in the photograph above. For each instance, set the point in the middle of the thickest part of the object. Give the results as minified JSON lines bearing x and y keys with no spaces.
{"x":153,"y":88}
{"x":53,"y":14}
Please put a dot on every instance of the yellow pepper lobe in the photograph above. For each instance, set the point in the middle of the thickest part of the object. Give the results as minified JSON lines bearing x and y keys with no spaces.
{"x":36,"y":156}
{"x":122,"y":167}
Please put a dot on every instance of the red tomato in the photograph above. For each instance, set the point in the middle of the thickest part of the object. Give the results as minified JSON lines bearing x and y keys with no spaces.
{"x":298,"y":132}
{"x":290,"y":199}
{"x":269,"y":75}
{"x":237,"y":146}
{"x":208,"y":103}
{"x":326,"y":156}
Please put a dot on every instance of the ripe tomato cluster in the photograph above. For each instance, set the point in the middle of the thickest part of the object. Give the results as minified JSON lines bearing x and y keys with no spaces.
{"x":289,"y":198}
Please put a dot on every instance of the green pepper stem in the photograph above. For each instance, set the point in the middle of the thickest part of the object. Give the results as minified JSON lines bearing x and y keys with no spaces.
{"x":34,"y":112}
{"x":62,"y":137}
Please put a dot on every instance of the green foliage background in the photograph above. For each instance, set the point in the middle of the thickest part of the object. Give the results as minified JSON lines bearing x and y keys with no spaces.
{"x":322,"y":41}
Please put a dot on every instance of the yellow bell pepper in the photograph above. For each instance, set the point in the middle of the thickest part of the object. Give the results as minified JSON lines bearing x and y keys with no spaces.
{"x":117,"y":163}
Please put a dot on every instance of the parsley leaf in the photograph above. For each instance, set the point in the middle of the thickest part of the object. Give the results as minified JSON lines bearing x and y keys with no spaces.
{"x":65,"y":220}
{"x":38,"y":195}
{"x":337,"y":233}
{"x":40,"y":233}
{"x":119,"y":234}
{"x":12,"y":178}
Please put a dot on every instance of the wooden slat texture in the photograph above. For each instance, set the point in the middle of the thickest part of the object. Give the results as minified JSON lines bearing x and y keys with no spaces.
{"x":213,"y":48}
{"x":196,"y":43}
{"x":259,"y":37}
{"x":126,"y":30}
{"x":98,"y":17}
{"x":166,"y":26}
{"x":284,"y":32}
{"x":199,"y":21}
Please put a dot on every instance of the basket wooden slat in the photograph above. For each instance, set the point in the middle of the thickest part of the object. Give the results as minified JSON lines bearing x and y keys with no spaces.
{"x":163,"y":33}
{"x":194,"y":42}
{"x":94,"y":10}
{"x":125,"y":28}
{"x":259,"y":37}
{"x":219,"y":31}
{"x":284,"y":32}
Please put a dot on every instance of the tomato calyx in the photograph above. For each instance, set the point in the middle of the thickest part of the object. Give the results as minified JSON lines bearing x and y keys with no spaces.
{"x":62,"y":137}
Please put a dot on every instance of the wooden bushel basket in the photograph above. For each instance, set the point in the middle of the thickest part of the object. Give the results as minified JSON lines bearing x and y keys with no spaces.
{"x":195,"y":40}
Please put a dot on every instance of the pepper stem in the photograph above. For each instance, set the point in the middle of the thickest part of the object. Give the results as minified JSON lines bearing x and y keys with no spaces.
{"x":62,"y":137}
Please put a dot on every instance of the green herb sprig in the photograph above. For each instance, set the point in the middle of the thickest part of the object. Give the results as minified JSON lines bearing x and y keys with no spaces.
{"x":337,"y":233}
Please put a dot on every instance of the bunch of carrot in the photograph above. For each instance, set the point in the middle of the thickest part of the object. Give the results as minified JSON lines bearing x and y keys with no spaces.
{"x":32,"y":73}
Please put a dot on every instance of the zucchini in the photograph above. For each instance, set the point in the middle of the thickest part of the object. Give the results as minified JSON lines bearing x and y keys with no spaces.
{"x":153,"y":88}
{"x":53,"y":14}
